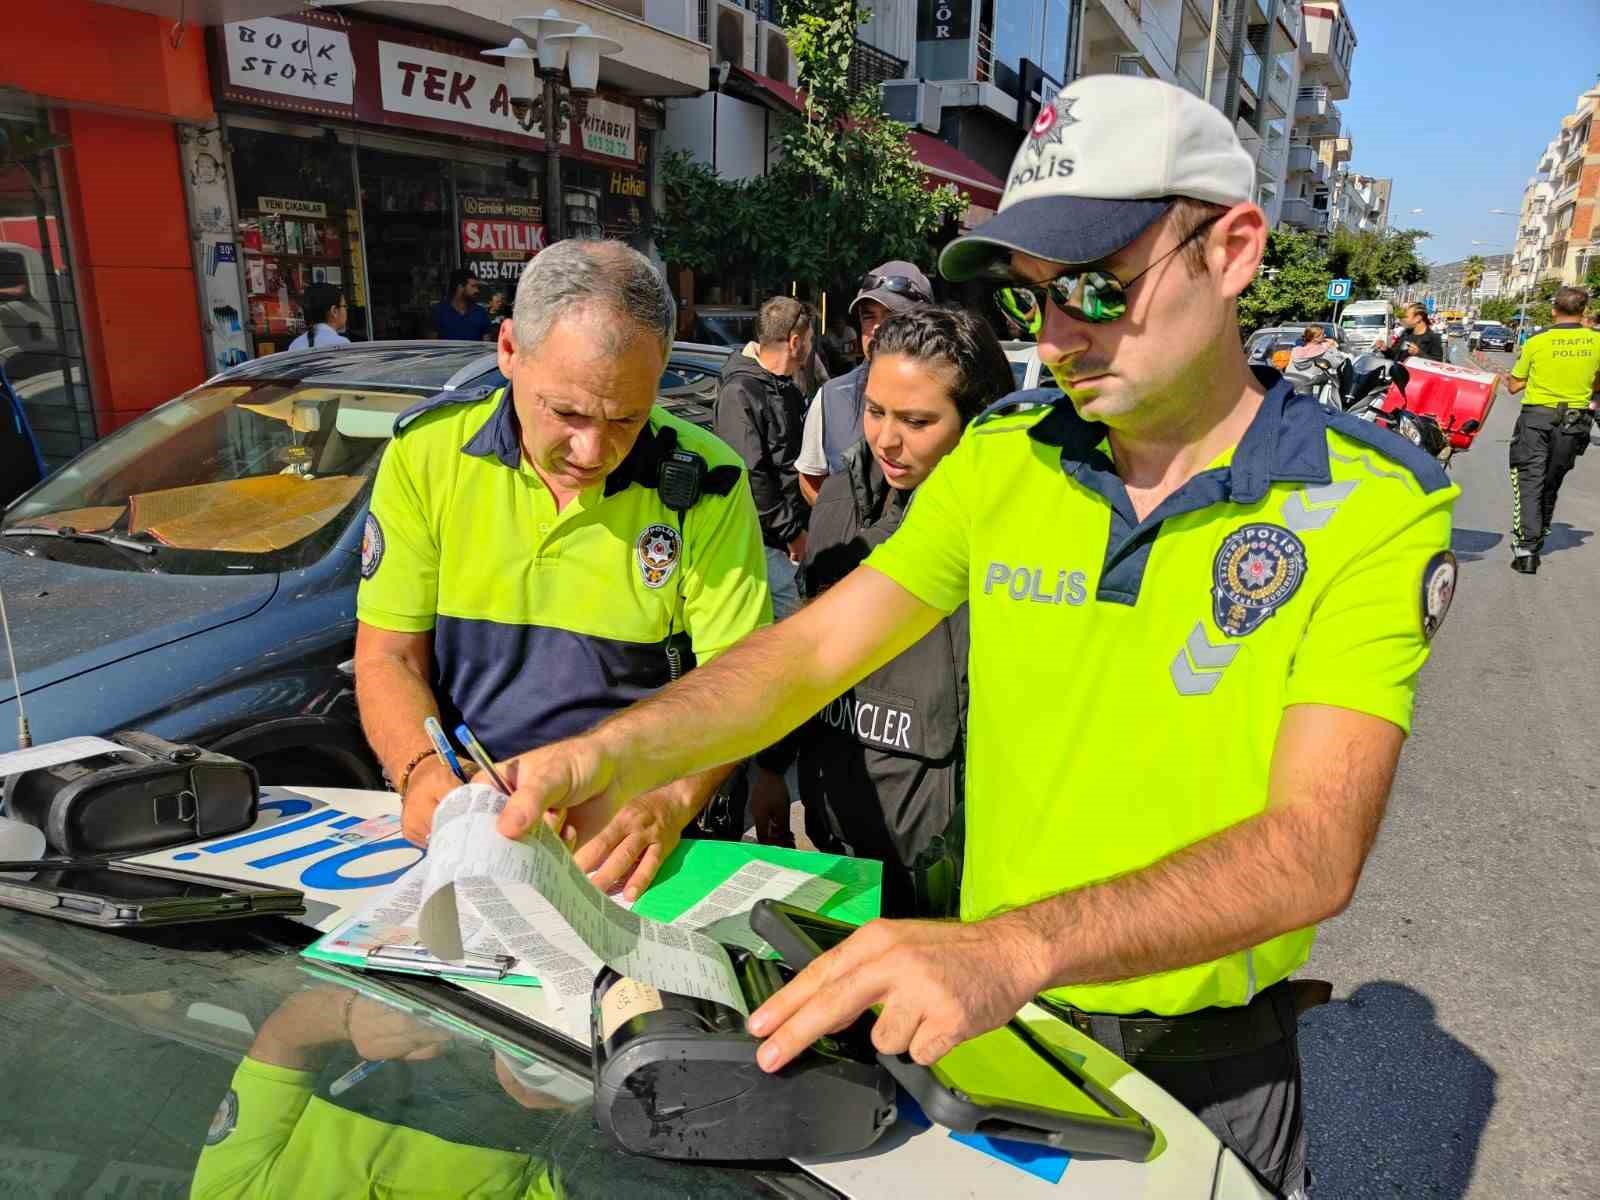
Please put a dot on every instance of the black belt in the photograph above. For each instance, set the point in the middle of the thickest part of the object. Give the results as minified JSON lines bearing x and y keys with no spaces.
{"x":1198,"y":1036}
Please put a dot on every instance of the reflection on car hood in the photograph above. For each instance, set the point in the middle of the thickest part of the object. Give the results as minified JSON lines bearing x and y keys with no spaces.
{"x":69,"y":619}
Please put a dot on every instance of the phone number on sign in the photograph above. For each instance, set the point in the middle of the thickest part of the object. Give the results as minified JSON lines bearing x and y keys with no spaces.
{"x":488,"y":270}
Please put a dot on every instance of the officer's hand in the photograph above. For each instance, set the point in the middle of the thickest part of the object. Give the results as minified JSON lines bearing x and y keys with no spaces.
{"x":378,"y":1031}
{"x":938,"y":983}
{"x":634,"y":841}
{"x":430,"y":782}
{"x":797,"y":549}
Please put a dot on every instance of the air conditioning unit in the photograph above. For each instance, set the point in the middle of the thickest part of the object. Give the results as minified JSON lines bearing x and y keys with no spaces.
{"x":733,"y":34}
{"x":914,"y":101}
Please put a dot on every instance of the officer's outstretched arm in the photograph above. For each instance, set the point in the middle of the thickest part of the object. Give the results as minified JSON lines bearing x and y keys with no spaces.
{"x":745,"y":700}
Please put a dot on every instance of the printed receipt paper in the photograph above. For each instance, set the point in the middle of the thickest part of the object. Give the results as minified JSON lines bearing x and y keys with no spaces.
{"x":542,"y":909}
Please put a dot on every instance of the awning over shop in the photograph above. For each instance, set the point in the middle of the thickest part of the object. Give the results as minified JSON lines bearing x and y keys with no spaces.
{"x":942,"y":162}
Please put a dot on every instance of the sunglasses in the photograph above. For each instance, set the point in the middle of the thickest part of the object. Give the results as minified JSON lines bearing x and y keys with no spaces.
{"x":1095,"y":296}
{"x":900,"y":285}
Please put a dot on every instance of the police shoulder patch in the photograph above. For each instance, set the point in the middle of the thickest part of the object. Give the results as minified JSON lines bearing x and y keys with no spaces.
{"x":1438,"y":590}
{"x":658,"y":549}
{"x":1256,"y":572}
{"x":225,"y":1118}
{"x":371,"y":546}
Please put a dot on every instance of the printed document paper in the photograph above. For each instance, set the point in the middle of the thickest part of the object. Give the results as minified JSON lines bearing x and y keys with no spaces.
{"x":543,"y":910}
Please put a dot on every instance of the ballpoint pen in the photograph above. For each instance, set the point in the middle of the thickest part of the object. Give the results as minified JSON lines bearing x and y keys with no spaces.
{"x":447,"y":752}
{"x":480,"y":756}
{"x":354,"y":1076}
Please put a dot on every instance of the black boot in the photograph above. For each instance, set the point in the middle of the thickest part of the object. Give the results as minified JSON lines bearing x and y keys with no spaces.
{"x":1526,"y":564}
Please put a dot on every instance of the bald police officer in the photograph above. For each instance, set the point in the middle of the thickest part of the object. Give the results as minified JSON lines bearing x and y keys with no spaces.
{"x":1198,"y":605}
{"x":1558,"y":376}
{"x":525,"y":571}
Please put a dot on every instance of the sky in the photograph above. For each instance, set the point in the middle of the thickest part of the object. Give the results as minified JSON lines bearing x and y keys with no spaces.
{"x":1456,"y":101}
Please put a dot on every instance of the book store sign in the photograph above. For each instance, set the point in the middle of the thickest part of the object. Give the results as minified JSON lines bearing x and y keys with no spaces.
{"x":287,"y":58}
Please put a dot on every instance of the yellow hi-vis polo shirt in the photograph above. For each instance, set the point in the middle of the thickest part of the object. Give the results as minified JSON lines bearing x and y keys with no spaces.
{"x":274,"y":1137}
{"x":545,"y":622}
{"x":1128,"y":677}
{"x":1561,"y":365}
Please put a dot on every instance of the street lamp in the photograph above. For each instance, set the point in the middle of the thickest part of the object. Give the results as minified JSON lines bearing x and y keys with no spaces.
{"x":1538,"y":253}
{"x":565,"y":59}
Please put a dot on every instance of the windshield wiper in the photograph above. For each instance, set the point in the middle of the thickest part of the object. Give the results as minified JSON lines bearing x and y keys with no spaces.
{"x":78,"y":535}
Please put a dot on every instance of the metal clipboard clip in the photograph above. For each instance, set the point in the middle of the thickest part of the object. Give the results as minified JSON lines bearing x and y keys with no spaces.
{"x":417,"y":958}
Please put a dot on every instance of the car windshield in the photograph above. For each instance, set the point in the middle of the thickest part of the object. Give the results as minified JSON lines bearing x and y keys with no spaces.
{"x":1364,"y":321}
{"x":212,"y":1060}
{"x":231,"y":477}
{"x":1495,"y":331}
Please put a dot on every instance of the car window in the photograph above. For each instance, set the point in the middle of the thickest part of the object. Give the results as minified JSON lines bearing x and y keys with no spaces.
{"x":1363,"y":321}
{"x":1019,"y":372}
{"x":231,"y":477}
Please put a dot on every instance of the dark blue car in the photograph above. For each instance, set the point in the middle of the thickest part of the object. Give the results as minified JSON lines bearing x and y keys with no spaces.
{"x":194,"y":574}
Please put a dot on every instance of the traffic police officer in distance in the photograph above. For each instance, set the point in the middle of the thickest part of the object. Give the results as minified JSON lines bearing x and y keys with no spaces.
{"x":1558,"y":374}
{"x":527,"y":566}
{"x":1198,"y":606}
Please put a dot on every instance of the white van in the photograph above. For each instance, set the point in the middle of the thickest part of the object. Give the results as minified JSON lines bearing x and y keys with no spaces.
{"x":1366,"y":323}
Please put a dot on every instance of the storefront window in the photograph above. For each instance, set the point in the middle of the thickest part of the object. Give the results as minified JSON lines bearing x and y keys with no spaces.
{"x":298,"y":225}
{"x":407,"y":208}
{"x":501,"y":223}
{"x":41,"y":351}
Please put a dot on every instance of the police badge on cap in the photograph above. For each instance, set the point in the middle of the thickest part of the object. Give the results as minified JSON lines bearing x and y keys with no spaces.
{"x":1255,"y":573}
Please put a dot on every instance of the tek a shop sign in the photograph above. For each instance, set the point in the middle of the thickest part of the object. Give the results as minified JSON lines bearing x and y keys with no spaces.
{"x":419,"y":82}
{"x":286,"y":58}
{"x":944,"y":20}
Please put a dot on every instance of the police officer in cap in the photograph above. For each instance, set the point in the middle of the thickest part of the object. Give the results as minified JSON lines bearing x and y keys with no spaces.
{"x":1198,"y":605}
{"x":530,"y":565}
{"x":833,"y":421}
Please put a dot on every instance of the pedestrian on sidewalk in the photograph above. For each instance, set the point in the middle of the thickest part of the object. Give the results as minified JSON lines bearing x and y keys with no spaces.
{"x":326,"y":313}
{"x":459,"y":317}
{"x":1558,"y":376}
{"x":759,"y":413}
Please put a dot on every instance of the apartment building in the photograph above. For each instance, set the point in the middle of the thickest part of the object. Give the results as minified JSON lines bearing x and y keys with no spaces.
{"x":1319,"y":146}
{"x":1558,"y":228}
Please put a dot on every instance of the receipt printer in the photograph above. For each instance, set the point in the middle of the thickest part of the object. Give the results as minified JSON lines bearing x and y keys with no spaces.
{"x":146,"y":794}
{"x":676,"y":1076}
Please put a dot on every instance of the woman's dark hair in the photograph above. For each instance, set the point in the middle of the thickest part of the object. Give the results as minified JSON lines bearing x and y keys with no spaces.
{"x":320,"y":299}
{"x":954,"y":338}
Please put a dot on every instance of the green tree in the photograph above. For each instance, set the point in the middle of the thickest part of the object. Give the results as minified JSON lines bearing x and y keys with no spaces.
{"x":1472,"y":273}
{"x":1372,"y":260}
{"x":1292,"y":284}
{"x":847,"y":193}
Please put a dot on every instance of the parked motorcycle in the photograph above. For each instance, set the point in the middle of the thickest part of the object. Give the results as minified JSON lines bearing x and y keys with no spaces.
{"x":1433,"y":418}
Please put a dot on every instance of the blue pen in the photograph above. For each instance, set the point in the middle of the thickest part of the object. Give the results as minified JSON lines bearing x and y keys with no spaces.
{"x":480,"y":756}
{"x":435,"y":732}
{"x":353,"y":1076}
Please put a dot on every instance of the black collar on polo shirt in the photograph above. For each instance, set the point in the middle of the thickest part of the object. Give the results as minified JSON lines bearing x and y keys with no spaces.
{"x":1286,"y":442}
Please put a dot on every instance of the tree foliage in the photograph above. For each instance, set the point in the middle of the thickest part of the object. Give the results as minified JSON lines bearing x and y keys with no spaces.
{"x":1472,"y":273}
{"x":1507,"y":309}
{"x":1293,"y":282}
{"x":846,"y":193}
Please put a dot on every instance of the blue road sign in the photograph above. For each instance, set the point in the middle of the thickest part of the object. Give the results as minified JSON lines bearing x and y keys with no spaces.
{"x":1430,"y":306}
{"x":1338,"y":289}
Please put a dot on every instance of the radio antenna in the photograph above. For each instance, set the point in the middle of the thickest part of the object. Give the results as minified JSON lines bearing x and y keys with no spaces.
{"x":24,"y":738}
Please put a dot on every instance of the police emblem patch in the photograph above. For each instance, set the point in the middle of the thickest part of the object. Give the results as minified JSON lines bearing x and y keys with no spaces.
{"x":371,"y":547}
{"x":1255,"y":573}
{"x":658,"y":550}
{"x":226,"y":1117}
{"x":1438,"y":589}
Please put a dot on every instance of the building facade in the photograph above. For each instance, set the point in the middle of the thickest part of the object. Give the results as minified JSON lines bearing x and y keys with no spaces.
{"x":1558,"y":227}
{"x":170,"y":190}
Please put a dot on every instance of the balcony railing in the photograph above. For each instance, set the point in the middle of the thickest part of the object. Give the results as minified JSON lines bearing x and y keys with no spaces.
{"x":985,"y":71}
{"x":870,"y":66}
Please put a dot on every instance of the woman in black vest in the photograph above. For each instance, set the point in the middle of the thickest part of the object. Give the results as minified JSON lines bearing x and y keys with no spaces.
{"x":881,"y":767}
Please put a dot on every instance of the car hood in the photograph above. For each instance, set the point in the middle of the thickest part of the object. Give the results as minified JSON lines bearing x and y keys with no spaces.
{"x":68,"y":619}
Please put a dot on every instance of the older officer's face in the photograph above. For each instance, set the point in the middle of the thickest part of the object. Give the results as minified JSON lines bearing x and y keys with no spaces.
{"x":581,"y":397}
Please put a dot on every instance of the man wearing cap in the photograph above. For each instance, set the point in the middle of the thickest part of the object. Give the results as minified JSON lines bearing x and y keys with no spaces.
{"x":833,"y":422}
{"x":1198,"y":605}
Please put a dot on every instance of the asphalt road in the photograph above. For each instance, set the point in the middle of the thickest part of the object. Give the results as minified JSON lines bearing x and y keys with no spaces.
{"x":1459,"y":1057}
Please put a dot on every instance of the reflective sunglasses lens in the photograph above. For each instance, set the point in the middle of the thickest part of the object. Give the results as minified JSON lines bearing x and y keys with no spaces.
{"x":1021,"y":305}
{"x":1103,"y":298}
